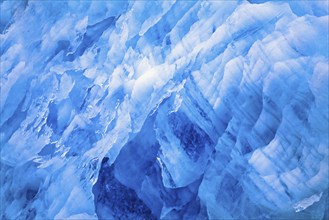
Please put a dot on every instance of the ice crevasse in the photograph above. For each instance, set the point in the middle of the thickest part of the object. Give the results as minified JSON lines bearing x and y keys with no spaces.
{"x":164,"y":110}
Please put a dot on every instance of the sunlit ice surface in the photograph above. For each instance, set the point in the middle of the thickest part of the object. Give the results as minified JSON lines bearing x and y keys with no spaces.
{"x":164,"y":110}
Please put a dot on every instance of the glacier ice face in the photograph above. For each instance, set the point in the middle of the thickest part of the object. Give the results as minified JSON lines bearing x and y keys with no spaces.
{"x":173,"y":110}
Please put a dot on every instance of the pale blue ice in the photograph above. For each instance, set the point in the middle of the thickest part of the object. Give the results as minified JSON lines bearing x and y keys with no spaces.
{"x":164,"y":110}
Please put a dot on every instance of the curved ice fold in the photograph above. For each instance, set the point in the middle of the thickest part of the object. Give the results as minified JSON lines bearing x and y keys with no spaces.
{"x":303,"y":204}
{"x":173,"y":110}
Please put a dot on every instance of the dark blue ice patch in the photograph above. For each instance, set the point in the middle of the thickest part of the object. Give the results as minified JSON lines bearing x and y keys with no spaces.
{"x":122,"y":201}
{"x":193,"y":138}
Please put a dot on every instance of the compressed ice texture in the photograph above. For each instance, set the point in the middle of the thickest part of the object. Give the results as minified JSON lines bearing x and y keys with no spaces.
{"x":164,"y":109}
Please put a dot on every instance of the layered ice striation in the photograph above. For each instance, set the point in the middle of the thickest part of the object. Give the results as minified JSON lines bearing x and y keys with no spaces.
{"x":164,"y":110}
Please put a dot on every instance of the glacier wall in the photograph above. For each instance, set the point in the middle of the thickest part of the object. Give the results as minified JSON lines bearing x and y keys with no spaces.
{"x":172,"y":110}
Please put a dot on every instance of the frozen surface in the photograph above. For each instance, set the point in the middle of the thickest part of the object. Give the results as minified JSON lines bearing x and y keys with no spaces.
{"x":173,"y":110}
